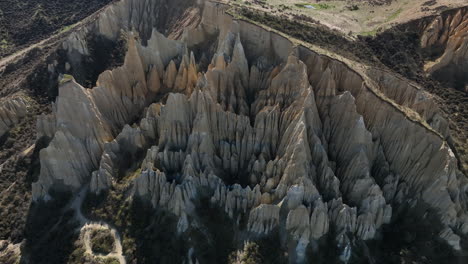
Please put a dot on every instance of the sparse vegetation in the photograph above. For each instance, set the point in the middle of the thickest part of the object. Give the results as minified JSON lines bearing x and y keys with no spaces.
{"x":109,"y":261}
{"x":50,"y":232}
{"x":369,"y":33}
{"x":66,"y":78}
{"x":250,"y":254}
{"x":78,"y":255}
{"x":399,"y":49}
{"x":24,"y":21}
{"x":317,"y":34}
{"x":136,"y":219}
{"x":17,"y":174}
{"x":8,"y":256}
{"x":102,"y":241}
{"x":353,"y":7}
{"x":104,"y":54}
{"x":66,"y":28}
{"x":4,"y":44}
{"x":394,"y":15}
{"x":314,"y":6}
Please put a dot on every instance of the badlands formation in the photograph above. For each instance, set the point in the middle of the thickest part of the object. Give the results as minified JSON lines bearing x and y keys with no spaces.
{"x":282,"y":139}
{"x":447,"y":36}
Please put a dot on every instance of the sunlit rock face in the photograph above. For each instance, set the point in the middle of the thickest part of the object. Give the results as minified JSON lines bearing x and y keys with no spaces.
{"x":278,"y":136}
{"x":446,"y":36}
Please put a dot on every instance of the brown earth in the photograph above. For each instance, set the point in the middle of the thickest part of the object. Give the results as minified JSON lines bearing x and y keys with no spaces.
{"x":371,"y":2}
{"x":354,"y":17}
{"x":27,"y":73}
{"x":23,"y":22}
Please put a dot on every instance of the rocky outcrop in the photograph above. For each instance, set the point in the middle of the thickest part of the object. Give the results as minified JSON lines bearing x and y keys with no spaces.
{"x":279,"y":137}
{"x":12,"y":109}
{"x":86,"y":119}
{"x":170,"y":17}
{"x":447,"y":36}
{"x":45,"y":126}
{"x":263,"y":219}
{"x":412,"y":96}
{"x":126,"y":146}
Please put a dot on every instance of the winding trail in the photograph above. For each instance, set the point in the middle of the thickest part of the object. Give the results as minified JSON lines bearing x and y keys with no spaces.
{"x":87,"y":226}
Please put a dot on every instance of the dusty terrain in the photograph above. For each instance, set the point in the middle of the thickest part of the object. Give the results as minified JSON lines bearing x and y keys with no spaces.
{"x":355,"y":17}
{"x":24,"y":22}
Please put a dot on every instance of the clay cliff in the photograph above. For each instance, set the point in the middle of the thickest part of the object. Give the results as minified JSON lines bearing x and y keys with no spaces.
{"x":277,"y":135}
{"x":192,"y":134}
{"x":446,"y":38}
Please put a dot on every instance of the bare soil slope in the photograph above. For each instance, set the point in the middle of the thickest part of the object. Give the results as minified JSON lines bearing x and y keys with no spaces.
{"x":23,"y":22}
{"x":354,"y":17}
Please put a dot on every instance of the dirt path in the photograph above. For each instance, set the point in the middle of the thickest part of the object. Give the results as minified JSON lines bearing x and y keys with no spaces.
{"x":50,"y":40}
{"x":87,"y":226}
{"x":86,"y":235}
{"x":26,"y":22}
{"x":13,"y":57}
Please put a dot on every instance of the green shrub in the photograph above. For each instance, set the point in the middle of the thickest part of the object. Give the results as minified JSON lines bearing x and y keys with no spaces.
{"x":102,"y":242}
{"x":110,"y":261}
{"x":315,"y":6}
{"x":353,"y":7}
{"x":250,"y":254}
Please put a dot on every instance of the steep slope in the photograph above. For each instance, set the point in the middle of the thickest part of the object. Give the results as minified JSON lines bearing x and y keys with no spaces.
{"x":445,"y":39}
{"x":23,"y":22}
{"x":276,"y":135}
{"x":432,"y":52}
{"x":28,"y":84}
{"x":215,"y":130}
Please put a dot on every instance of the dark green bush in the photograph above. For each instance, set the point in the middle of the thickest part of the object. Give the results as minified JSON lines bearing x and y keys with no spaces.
{"x":102,"y":242}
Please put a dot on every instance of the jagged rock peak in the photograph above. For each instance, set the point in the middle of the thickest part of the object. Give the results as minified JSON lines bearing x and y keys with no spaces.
{"x":278,"y":137}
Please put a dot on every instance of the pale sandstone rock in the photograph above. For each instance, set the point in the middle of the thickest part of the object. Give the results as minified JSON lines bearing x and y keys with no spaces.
{"x":45,"y":126}
{"x":451,"y":32}
{"x":127,"y":144}
{"x":410,"y":95}
{"x":319,"y":221}
{"x":300,"y":131}
{"x":86,"y":119}
{"x":263,"y":219}
{"x":12,"y":109}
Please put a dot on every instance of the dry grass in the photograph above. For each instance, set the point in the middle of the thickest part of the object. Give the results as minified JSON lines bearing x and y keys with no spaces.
{"x":354,"y":18}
